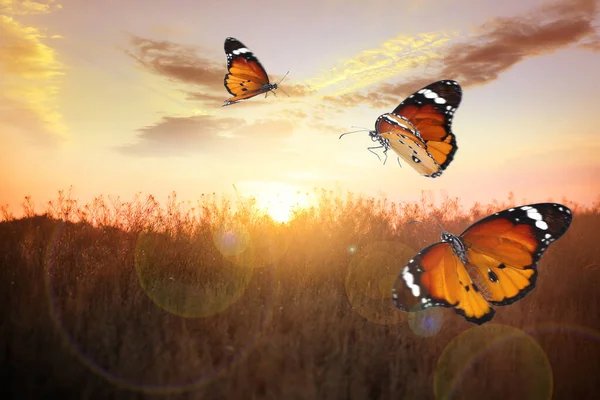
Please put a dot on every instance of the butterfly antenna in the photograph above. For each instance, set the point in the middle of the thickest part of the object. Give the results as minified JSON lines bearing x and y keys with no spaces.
{"x":284,"y":92}
{"x":438,"y":222}
{"x":347,"y":133}
{"x":286,"y":74}
{"x":414,"y":221}
{"x":360,"y":127}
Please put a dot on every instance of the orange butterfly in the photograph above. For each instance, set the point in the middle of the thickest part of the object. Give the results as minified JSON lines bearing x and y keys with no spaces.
{"x":247,"y":77}
{"x":419,"y":129}
{"x":493,"y":262}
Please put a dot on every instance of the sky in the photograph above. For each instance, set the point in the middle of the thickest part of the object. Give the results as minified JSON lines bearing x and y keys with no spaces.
{"x":122,"y":97}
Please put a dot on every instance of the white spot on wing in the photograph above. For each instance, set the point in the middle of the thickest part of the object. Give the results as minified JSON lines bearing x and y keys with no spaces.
{"x":542,"y":225}
{"x":534,"y":214}
{"x":410,"y":282}
{"x":430,"y":94}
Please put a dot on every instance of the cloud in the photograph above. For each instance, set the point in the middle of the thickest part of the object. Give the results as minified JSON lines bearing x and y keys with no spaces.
{"x":593,"y":43}
{"x":24,"y":119}
{"x":32,"y":70}
{"x":294,"y":89}
{"x":270,"y":129}
{"x":28,"y":7}
{"x":497,"y":45}
{"x":294,"y":114}
{"x":504,"y":42}
{"x":177,"y":136}
{"x":181,"y":135}
{"x":376,"y":100}
{"x":178,"y":63}
{"x":208,"y":98}
{"x":391,"y":58}
{"x":183,"y":64}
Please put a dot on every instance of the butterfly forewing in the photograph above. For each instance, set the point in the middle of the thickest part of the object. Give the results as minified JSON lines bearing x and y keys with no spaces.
{"x":246,"y":77}
{"x":431,"y":110}
{"x":506,"y":247}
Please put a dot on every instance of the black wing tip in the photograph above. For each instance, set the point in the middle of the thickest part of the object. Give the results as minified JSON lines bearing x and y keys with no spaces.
{"x":481,"y":320}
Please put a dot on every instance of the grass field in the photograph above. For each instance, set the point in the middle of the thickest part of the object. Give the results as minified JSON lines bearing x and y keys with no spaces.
{"x":127,"y":300}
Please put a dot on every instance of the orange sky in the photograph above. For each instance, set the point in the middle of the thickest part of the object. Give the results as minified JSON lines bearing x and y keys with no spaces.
{"x":119,"y":97}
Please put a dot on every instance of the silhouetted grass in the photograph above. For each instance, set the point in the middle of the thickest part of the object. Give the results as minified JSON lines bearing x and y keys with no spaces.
{"x":118,"y":299}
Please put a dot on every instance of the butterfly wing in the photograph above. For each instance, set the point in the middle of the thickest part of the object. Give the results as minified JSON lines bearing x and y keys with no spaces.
{"x":436,"y":278}
{"x":246,"y":77}
{"x":431,"y":110}
{"x":505,"y":248}
{"x":404,"y":139}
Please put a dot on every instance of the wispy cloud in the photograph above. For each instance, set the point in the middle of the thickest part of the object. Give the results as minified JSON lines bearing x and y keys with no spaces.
{"x":496,"y":46}
{"x":177,"y":62}
{"x":266,"y":128}
{"x":391,"y":58}
{"x":28,"y":7}
{"x":181,"y":136}
{"x":30,"y":71}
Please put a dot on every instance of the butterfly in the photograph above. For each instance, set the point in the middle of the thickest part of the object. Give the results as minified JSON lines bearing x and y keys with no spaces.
{"x":419,"y":129}
{"x":246,"y":77}
{"x":493,"y":262}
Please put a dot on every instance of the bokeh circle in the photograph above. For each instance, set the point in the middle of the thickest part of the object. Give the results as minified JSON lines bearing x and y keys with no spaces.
{"x":426,"y":322}
{"x":493,"y":361}
{"x":370,"y":276}
{"x":113,"y":328}
{"x":187,"y":277}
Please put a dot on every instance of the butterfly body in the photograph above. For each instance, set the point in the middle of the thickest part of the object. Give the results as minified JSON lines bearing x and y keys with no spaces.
{"x":493,"y":262}
{"x":419,"y":129}
{"x":246,"y":76}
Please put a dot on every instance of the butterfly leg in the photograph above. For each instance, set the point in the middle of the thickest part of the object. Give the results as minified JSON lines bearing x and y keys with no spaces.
{"x":398,"y":159}
{"x":373,"y":148}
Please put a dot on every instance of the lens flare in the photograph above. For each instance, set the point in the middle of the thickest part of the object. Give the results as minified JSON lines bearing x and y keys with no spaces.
{"x":370,"y":277}
{"x":427,"y":322}
{"x":187,"y":278}
{"x":498,"y":360}
{"x":115,"y":330}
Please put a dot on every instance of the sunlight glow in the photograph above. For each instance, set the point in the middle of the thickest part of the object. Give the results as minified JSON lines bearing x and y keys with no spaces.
{"x":277,"y":199}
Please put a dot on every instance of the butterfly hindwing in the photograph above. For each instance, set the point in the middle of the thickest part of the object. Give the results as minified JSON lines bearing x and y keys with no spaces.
{"x":246,"y":76}
{"x":504,"y":248}
{"x":436,"y":278}
{"x":406,"y":142}
{"x":430,"y":110}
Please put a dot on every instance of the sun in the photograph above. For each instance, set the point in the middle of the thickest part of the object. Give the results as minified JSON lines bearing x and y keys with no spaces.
{"x":277,"y":199}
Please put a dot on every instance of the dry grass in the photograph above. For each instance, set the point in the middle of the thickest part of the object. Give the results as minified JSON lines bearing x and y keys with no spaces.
{"x":131,"y":300}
